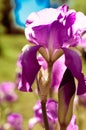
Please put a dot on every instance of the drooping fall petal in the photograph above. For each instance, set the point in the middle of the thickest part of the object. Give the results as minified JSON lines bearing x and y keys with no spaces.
{"x":73,"y":62}
{"x":30,"y":68}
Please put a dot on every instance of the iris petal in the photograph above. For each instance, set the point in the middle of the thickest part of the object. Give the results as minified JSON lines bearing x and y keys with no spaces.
{"x":30,"y":68}
{"x":73,"y":62}
{"x":41,"y":34}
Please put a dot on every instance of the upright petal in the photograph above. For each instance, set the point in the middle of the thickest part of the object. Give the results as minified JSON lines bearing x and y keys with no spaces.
{"x":41,"y":35}
{"x":62,"y":34}
{"x":65,"y":27}
{"x":73,"y":62}
{"x":36,"y":30}
{"x":57,"y":35}
{"x":30,"y":67}
{"x":70,"y":19}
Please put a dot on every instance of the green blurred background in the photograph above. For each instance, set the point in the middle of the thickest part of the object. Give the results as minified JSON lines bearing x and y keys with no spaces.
{"x":12,"y":39}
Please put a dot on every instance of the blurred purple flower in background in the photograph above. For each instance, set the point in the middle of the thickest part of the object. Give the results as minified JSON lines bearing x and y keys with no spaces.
{"x":15,"y":120}
{"x":7,"y":92}
{"x":1,"y":128}
{"x":51,"y":109}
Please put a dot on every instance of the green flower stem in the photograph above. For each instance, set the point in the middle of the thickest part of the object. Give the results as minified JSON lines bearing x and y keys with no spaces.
{"x":46,"y":124}
{"x":43,"y":102}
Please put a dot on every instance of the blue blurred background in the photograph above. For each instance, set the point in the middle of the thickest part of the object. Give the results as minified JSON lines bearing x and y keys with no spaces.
{"x":15,"y":12}
{"x":24,"y":7}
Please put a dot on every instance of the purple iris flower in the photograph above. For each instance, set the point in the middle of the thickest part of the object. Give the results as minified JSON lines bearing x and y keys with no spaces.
{"x":53,"y":31}
{"x":7,"y":92}
{"x":52,"y":114}
{"x":15,"y":120}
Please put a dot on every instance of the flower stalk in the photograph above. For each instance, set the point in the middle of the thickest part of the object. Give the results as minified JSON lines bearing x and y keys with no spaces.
{"x":46,"y":124}
{"x":63,"y":127}
{"x":43,"y":102}
{"x":43,"y":91}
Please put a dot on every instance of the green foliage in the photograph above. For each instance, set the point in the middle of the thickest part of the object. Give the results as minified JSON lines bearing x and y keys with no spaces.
{"x":78,"y":5}
{"x":10,"y":46}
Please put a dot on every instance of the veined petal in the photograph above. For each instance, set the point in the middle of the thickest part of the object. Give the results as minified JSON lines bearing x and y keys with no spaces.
{"x":73,"y":62}
{"x":58,"y":35}
{"x":41,"y":35}
{"x":62,"y":35}
{"x":30,"y":67}
{"x":39,"y":22}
